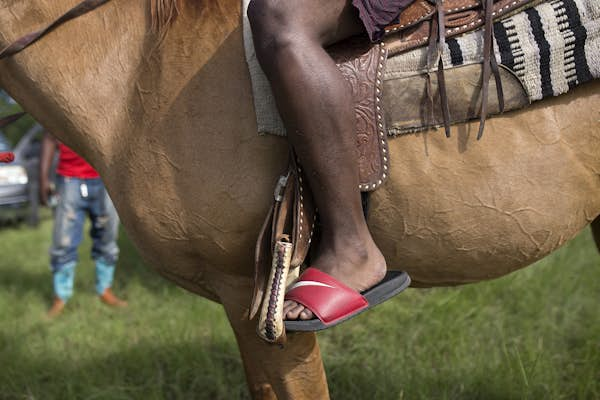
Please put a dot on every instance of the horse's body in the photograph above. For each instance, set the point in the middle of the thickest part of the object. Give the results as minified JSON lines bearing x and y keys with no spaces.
{"x":172,"y":131}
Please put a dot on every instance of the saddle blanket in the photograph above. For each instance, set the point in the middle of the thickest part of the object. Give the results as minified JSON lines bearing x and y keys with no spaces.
{"x":551,"y":48}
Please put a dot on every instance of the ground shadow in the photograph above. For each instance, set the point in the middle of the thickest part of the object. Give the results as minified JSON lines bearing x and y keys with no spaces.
{"x":184,"y":370}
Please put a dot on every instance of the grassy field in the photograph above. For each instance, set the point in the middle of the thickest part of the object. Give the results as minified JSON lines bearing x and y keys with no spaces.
{"x":534,"y":334}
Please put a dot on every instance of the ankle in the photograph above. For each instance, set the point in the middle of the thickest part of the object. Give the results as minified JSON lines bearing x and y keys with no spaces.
{"x":359,"y":246}
{"x":348,"y":255}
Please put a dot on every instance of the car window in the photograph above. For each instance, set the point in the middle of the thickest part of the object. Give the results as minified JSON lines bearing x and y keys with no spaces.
{"x":4,"y":145}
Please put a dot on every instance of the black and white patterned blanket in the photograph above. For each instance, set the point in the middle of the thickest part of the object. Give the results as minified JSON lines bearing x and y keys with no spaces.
{"x":551,"y":48}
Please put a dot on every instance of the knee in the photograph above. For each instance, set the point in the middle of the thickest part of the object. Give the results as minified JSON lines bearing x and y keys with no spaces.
{"x":265,"y":16}
{"x":274,"y":26}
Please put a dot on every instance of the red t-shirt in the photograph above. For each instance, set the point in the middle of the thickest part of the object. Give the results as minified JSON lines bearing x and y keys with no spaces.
{"x":72,"y":165}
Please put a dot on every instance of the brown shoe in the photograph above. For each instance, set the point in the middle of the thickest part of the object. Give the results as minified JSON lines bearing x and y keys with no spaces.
{"x":109,"y":298}
{"x":57,"y":308}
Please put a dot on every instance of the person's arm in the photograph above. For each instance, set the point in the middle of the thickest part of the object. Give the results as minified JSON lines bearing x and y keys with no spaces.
{"x":49,"y":144}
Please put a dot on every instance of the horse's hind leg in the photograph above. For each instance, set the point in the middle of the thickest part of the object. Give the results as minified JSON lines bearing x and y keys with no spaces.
{"x":294,"y":371}
{"x":596,"y":231}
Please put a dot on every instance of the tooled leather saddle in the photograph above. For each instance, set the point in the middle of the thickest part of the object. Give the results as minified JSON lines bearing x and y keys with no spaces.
{"x":285,"y":237}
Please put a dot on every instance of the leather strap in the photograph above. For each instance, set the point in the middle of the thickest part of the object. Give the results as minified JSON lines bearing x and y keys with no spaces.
{"x":441,"y":23}
{"x":25,"y":41}
{"x":291,"y":219}
{"x":5,"y":121}
{"x":437,"y":41}
{"x":82,"y":8}
{"x":489,"y":65}
{"x":262,"y":251}
{"x":271,"y":327}
{"x":7,"y":157}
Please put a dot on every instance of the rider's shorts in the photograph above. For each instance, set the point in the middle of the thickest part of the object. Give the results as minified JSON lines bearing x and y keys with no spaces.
{"x":377,"y":14}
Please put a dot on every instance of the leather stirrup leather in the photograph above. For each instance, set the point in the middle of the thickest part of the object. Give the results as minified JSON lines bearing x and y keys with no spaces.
{"x":282,"y":246}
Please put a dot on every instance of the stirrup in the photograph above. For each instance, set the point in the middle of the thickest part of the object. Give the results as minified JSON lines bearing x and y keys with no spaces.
{"x":281,"y":248}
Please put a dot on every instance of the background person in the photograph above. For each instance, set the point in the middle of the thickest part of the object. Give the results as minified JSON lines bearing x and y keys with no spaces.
{"x":79,"y":192}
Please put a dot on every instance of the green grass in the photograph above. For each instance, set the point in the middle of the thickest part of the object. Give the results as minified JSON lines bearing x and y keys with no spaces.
{"x":534,"y":334}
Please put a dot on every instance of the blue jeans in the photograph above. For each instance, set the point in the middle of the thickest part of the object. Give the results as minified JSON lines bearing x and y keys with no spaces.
{"x":77,"y":198}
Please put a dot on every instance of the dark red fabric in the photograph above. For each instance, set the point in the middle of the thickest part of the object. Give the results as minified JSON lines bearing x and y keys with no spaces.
{"x":377,"y":14}
{"x":330,"y":301}
{"x":72,"y":165}
{"x":6,"y":157}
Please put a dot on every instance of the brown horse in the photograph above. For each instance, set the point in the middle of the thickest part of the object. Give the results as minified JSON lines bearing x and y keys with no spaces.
{"x":171,"y":129}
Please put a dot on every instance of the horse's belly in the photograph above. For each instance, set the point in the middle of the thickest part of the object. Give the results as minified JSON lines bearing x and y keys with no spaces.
{"x":459,"y":210}
{"x":472,"y":238}
{"x":453,"y":211}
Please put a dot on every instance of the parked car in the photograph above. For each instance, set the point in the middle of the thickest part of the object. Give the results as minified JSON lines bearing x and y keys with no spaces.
{"x":19,"y":179}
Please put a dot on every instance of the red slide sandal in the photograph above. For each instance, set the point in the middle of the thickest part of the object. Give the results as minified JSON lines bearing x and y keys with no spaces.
{"x":333,"y":302}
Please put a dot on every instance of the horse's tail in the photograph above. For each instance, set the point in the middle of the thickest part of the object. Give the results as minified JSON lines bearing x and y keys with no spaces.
{"x":163,"y":13}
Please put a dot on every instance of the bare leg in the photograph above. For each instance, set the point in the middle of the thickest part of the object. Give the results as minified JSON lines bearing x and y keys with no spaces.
{"x":315,"y":104}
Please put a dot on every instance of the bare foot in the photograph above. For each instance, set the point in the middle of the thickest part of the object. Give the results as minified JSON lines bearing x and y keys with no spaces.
{"x":356,"y":265}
